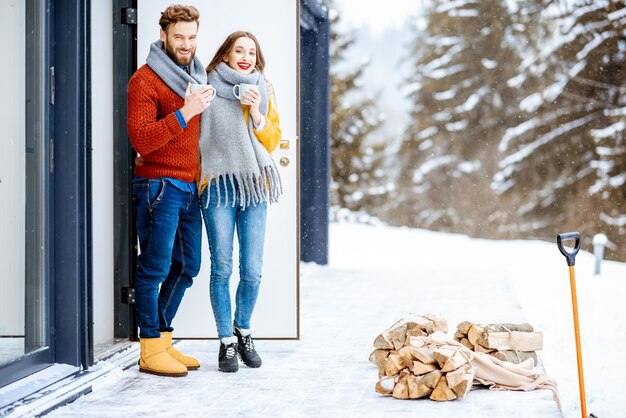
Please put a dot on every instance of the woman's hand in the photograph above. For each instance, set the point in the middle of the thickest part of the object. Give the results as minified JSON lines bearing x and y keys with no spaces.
{"x":270,"y":88}
{"x":270,"y":93}
{"x":252,"y":98}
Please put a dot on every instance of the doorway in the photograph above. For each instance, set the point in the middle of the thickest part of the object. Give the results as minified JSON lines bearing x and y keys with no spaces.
{"x":276,"y":314}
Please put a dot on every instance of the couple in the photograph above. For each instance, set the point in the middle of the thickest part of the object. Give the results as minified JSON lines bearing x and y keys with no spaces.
{"x":203,"y":154}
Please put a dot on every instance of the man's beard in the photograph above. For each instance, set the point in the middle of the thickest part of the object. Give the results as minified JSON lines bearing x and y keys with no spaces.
{"x":182,"y":61}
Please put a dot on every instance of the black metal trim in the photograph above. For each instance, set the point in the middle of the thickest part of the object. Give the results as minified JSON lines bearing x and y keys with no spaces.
{"x":311,"y":12}
{"x":25,"y":366}
{"x":41,"y":357}
{"x":314,"y":131}
{"x":129,"y":16}
{"x":72,"y":187}
{"x":125,"y":239}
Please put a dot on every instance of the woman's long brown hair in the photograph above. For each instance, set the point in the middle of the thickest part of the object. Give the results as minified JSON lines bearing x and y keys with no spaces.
{"x":228,"y":44}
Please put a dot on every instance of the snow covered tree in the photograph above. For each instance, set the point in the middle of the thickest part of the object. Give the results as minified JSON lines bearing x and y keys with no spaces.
{"x":564,"y":165}
{"x":462,"y":102}
{"x":356,"y":163}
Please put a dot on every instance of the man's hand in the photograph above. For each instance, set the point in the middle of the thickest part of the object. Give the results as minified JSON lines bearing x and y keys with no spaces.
{"x":196,"y":102}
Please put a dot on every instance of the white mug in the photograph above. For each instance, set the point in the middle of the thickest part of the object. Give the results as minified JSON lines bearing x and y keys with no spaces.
{"x":196,"y":87}
{"x":240,"y":89}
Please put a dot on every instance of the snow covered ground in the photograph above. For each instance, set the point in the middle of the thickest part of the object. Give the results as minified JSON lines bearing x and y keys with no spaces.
{"x":376,"y":275}
{"x":541,"y":282}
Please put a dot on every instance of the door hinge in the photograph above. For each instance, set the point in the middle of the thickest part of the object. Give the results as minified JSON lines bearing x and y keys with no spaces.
{"x":128,"y":295}
{"x":129,"y":16}
{"x":52,"y":87}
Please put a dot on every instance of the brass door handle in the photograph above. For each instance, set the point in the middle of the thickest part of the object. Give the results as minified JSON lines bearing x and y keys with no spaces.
{"x":284,"y":161}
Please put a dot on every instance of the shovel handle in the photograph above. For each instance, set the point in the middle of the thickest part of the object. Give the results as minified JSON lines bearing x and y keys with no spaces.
{"x":571,"y":256}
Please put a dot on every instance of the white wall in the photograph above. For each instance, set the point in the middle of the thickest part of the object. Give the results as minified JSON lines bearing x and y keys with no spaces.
{"x":12,"y":169}
{"x":102,"y":168}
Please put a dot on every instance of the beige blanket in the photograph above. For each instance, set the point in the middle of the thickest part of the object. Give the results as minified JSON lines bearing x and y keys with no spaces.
{"x":492,"y":372}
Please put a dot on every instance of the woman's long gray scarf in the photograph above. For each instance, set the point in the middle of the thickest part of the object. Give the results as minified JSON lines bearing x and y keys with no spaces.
{"x":174,"y":76}
{"x":231,"y":153}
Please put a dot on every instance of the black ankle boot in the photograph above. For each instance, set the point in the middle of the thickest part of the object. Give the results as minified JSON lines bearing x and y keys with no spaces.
{"x":248,"y":354}
{"x":227,"y":359}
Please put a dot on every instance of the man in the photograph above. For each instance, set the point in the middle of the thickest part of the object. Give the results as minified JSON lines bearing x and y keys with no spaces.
{"x":164,"y":128}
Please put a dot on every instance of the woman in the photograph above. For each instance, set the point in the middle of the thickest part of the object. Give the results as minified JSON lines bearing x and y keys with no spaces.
{"x":238,"y":179}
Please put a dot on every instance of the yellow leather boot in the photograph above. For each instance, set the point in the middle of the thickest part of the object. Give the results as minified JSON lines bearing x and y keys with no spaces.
{"x":189,"y":362}
{"x":154,"y":359}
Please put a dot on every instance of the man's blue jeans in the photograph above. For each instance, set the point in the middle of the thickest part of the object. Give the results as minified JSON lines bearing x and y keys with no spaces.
{"x":220,"y":222}
{"x":169,"y":228}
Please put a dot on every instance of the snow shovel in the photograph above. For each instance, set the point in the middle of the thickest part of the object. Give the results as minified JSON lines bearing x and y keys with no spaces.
{"x":571,"y":260}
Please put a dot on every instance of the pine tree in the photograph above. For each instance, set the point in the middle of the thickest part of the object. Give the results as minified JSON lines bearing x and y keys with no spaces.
{"x":356,"y":164}
{"x":564,"y":166}
{"x":462,"y":102}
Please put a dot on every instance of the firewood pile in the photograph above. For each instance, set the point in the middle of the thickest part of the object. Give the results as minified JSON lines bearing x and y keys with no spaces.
{"x":514,"y":343}
{"x":410,"y":369}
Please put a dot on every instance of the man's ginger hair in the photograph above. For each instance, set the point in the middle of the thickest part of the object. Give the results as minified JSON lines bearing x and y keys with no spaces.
{"x":178,"y":13}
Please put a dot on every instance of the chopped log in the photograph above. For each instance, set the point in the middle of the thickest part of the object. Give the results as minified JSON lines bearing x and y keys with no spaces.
{"x":505,"y":327}
{"x":466,"y":343}
{"x":416,"y":321}
{"x":474,"y":333}
{"x":385,"y":385}
{"x":401,"y":389}
{"x":442,"y":392}
{"x":381,"y":343}
{"x":416,"y":342}
{"x":480,"y":349}
{"x":464,"y":327}
{"x":420,"y":368}
{"x":393,"y":338}
{"x":514,"y":340}
{"x":461,"y":379}
{"x":459,"y":336}
{"x":442,"y":354}
{"x":515,"y":357}
{"x":414,"y":332}
{"x":393,"y":364}
{"x":432,"y":379}
{"x":407,"y":356}
{"x":462,"y":388}
{"x":417,"y":388}
{"x":438,"y":324}
{"x":424,"y":354}
{"x":450,"y":358}
{"x":378,"y":357}
{"x":457,"y":360}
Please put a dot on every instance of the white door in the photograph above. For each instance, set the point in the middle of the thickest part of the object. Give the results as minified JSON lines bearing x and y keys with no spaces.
{"x":275,"y":24}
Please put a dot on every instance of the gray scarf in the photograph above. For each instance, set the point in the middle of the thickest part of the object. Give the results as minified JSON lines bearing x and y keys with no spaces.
{"x":231,"y":152}
{"x":174,"y":76}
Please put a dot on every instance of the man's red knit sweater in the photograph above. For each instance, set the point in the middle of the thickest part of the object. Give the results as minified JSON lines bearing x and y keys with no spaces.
{"x":166,"y":148}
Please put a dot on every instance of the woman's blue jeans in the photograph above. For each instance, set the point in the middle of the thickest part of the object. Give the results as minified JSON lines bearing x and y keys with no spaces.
{"x":169,"y":228}
{"x":220,"y":223}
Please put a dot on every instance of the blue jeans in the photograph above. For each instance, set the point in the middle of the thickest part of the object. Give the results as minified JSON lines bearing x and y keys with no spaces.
{"x":220,"y":222}
{"x":169,"y":228}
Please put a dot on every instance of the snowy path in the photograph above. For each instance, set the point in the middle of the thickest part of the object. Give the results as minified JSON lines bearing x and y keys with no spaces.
{"x":326,"y":373}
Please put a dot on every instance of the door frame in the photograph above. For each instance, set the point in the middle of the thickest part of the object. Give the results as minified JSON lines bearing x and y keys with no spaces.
{"x":124,"y":235}
{"x":125,"y":239}
{"x":67,"y":197}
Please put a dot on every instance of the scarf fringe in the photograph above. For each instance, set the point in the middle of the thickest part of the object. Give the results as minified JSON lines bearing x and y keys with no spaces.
{"x":252,"y":190}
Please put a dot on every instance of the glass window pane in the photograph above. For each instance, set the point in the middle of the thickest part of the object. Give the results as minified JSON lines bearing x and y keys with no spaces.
{"x":23,"y":156}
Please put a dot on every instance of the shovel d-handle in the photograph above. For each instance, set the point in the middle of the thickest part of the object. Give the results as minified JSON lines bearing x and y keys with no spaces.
{"x":570,"y":256}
